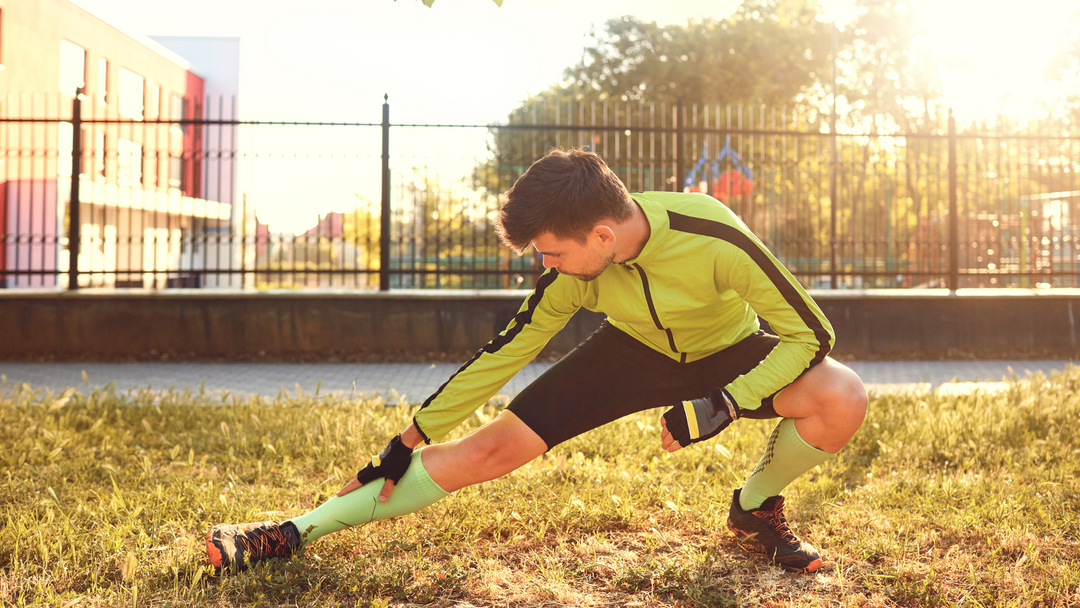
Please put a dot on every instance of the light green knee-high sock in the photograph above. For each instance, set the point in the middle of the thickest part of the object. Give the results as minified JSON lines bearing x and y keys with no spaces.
{"x":415,"y":491}
{"x":786,"y":457}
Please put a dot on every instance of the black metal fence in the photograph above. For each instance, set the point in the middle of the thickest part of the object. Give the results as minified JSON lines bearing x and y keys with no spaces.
{"x":179,"y":200}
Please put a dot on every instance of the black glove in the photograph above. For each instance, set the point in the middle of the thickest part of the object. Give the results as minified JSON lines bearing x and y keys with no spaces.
{"x":699,"y":419}
{"x":391,"y":463}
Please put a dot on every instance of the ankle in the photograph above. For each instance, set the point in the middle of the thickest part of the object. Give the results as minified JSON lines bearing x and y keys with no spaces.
{"x":292,"y":534}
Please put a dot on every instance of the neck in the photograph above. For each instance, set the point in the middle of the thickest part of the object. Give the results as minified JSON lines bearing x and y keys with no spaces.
{"x":632,"y":235}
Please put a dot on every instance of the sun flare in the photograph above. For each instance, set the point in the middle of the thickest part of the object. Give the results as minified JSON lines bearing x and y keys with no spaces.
{"x":993,"y":55}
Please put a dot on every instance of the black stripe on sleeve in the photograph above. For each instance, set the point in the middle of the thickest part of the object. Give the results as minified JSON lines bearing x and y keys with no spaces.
{"x":521,"y":319}
{"x":738,"y":238}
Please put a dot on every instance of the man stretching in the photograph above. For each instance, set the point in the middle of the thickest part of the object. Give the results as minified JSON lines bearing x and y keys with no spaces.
{"x":682,"y":281}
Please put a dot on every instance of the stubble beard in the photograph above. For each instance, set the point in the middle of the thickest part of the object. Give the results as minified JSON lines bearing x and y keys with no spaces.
{"x":595,"y":271}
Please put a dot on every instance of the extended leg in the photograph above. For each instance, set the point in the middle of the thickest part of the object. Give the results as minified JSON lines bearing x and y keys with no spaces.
{"x":491,"y":451}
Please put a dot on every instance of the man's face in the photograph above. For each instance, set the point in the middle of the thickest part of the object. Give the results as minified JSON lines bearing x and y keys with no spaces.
{"x":583,"y":261}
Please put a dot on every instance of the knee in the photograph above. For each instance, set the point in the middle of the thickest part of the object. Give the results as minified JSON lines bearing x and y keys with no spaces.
{"x":848,"y":399}
{"x":838,"y":396}
{"x":485,"y":457}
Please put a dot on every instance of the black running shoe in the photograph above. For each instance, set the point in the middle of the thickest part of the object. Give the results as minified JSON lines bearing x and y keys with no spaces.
{"x":239,"y":546}
{"x":765,"y":529}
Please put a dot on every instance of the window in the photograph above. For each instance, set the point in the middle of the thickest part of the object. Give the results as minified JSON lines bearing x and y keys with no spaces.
{"x":99,"y":156}
{"x":65,"y":140}
{"x":129,"y":162}
{"x":103,"y":81}
{"x":131,"y":92}
{"x":155,"y":101}
{"x":151,"y":171}
{"x":178,"y":111}
{"x":85,"y":160}
{"x":72,"y":68}
{"x":176,"y":173}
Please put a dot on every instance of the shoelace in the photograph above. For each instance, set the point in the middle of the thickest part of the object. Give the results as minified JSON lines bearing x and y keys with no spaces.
{"x":779,"y":523}
{"x":270,"y":542}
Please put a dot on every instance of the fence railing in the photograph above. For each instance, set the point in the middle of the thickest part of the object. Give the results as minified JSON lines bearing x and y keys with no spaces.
{"x":91,"y":199}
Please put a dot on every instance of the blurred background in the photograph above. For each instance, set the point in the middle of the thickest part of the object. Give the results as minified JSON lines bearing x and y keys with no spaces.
{"x":869,"y":144}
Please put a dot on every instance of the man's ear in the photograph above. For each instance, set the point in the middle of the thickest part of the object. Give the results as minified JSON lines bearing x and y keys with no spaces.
{"x":605,"y":234}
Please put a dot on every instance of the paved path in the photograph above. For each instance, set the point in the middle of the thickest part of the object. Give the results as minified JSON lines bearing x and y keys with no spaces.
{"x":415,"y":381}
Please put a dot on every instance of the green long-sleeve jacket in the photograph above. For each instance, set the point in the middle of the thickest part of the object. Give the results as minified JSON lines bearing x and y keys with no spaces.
{"x":697,"y":287}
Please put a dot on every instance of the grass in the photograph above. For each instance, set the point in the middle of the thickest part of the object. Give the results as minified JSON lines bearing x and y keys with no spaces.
{"x":941,"y":500}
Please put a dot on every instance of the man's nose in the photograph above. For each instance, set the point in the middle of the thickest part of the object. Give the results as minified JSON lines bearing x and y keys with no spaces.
{"x":549,"y":262}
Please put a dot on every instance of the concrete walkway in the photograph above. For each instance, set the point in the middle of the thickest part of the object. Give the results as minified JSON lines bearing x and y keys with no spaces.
{"x":415,"y":381}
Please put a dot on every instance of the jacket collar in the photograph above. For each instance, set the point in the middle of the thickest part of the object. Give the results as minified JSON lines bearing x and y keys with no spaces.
{"x":657,"y":217}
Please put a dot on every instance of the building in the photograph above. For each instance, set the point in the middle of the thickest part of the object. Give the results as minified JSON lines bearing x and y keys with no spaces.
{"x":217,"y":61}
{"x":149,"y":213}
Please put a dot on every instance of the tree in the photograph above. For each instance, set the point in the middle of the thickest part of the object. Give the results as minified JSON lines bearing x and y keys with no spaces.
{"x":361,"y":228}
{"x":883,"y":80}
{"x":444,"y":237}
{"x":768,"y":52}
{"x":1065,"y":67}
{"x":762,"y":76}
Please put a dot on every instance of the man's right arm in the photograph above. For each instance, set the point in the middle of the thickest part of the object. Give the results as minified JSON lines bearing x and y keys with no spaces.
{"x":544,"y":312}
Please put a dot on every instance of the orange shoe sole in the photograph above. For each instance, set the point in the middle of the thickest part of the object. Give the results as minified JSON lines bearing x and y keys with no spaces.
{"x":212,"y":551}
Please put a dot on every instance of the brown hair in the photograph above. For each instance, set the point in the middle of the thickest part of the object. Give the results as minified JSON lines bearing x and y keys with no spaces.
{"x":565,"y":193}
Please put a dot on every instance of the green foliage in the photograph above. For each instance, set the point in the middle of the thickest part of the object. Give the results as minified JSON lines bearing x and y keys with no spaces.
{"x":960,"y":497}
{"x":449,"y":227}
{"x":1065,"y":67}
{"x":884,"y":83}
{"x":768,"y":52}
{"x":1066,"y":61}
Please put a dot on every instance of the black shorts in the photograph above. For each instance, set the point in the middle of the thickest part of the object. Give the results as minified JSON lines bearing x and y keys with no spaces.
{"x":611,"y":375}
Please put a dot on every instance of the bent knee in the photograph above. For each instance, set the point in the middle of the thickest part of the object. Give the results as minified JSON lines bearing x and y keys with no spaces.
{"x":837,"y":392}
{"x":847,"y":396}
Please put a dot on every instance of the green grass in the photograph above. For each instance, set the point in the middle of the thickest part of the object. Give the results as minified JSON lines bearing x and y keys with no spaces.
{"x":959,"y":500}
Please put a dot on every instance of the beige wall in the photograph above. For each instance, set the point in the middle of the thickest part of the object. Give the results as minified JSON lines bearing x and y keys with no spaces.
{"x":30,"y":50}
{"x":208,"y":324}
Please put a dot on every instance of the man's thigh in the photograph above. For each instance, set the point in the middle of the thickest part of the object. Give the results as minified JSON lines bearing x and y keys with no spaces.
{"x":612,"y":375}
{"x":489,"y":452}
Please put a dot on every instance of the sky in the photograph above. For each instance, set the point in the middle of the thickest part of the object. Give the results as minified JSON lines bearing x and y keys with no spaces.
{"x":472,"y":62}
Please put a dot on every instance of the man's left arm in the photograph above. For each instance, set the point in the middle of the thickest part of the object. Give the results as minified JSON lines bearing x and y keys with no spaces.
{"x":806,"y":336}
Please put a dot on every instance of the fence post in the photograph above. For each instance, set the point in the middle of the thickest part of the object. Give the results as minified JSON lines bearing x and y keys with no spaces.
{"x":75,"y":222}
{"x":954,"y":221}
{"x":384,"y":217}
{"x":680,"y":161}
{"x":834,"y":244}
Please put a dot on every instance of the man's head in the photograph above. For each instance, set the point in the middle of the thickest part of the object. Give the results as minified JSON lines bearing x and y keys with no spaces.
{"x":564,"y":194}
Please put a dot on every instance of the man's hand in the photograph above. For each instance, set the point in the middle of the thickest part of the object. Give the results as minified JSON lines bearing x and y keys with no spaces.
{"x":697,"y":420}
{"x":389,"y":464}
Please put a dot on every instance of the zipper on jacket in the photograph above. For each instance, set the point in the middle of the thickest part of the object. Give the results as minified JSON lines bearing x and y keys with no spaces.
{"x":652,"y":311}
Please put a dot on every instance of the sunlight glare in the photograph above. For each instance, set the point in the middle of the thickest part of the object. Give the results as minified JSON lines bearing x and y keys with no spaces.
{"x":993,"y":55}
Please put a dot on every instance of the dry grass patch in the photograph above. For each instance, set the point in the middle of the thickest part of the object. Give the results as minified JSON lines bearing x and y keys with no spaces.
{"x":955,"y":498}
